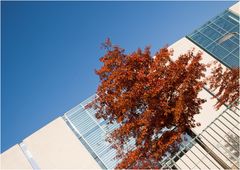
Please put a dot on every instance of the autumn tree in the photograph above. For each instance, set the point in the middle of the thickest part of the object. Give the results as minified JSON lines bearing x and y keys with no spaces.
{"x":153,"y":99}
{"x":225,"y":82}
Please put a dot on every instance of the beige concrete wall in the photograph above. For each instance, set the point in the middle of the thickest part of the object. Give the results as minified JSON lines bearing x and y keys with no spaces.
{"x":14,"y":158}
{"x":202,"y":160}
{"x":183,"y":45}
{"x":235,"y":8}
{"x":56,"y":147}
{"x":208,"y":112}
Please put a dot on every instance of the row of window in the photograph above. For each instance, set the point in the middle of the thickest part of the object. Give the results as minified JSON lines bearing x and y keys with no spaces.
{"x":220,"y":37}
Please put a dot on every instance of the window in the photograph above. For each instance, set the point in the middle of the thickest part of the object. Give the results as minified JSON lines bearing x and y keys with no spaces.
{"x":220,"y":38}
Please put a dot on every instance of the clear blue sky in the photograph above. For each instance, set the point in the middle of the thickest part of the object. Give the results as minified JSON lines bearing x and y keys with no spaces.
{"x":50,"y":51}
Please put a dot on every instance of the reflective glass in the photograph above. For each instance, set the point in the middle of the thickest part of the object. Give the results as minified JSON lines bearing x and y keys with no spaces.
{"x":236,"y":52}
{"x":92,"y":133}
{"x":232,"y":60}
{"x":211,"y":33}
{"x":217,"y":50}
{"x":229,"y":45}
{"x":220,"y":37}
{"x":201,"y":39}
{"x":235,"y":29}
{"x":217,"y":29}
{"x":223,"y":23}
{"x":235,"y":39}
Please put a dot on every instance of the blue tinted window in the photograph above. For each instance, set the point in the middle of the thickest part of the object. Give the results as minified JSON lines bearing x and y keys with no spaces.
{"x":232,"y":60}
{"x":223,"y":23}
{"x":235,"y":29}
{"x":217,"y":50}
{"x":229,"y":45}
{"x":201,"y":39}
{"x":235,"y":39}
{"x":211,"y":33}
{"x":92,"y":133}
{"x":220,"y":37}
{"x":236,"y":52}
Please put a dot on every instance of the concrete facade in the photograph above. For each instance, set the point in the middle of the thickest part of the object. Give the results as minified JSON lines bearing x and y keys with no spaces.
{"x":181,"y":47}
{"x":235,"y":8}
{"x":52,"y":147}
{"x":14,"y":158}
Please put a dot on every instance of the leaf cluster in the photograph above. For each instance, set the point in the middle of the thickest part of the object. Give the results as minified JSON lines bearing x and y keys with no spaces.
{"x":226,"y":84}
{"x":154,"y":101}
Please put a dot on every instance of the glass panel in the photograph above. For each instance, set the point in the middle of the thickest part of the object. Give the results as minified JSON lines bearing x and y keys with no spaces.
{"x":201,"y":39}
{"x":210,"y":33}
{"x":229,"y":45}
{"x":91,"y":131}
{"x":235,"y":29}
{"x":224,"y":24}
{"x":83,"y":122}
{"x":235,"y":39}
{"x":217,"y":50}
{"x":220,"y":37}
{"x":96,"y":140}
{"x":236,"y":52}
{"x":217,"y":28}
{"x":232,"y":61}
{"x":230,"y":17}
{"x":109,"y":158}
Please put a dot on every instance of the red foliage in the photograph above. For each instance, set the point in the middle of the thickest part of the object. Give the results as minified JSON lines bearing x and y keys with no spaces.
{"x":153,"y":100}
{"x":226,"y":84}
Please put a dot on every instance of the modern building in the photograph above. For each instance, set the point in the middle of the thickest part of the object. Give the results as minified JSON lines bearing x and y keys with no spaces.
{"x":77,"y":139}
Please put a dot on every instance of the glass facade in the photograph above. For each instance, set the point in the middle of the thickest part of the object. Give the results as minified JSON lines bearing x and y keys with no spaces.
{"x":92,"y":133}
{"x":220,"y":38}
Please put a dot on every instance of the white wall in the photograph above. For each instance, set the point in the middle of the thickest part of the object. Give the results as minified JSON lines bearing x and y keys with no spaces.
{"x":184,"y":45}
{"x":14,"y":158}
{"x":56,"y":147}
{"x":197,"y":158}
{"x":208,"y":113}
{"x":235,"y":8}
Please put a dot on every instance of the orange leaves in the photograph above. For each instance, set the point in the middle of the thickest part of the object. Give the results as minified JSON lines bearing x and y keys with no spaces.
{"x":154,"y":100}
{"x":226,"y":84}
{"x":179,"y":108}
{"x":148,"y":97}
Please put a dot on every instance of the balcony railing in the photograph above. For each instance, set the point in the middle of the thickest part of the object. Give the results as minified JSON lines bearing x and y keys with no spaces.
{"x":216,"y":147}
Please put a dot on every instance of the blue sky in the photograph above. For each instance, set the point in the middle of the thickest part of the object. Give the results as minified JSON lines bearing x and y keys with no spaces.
{"x":50,"y":51}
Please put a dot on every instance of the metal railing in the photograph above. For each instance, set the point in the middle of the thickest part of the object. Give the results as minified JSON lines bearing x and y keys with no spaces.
{"x":217,"y":146}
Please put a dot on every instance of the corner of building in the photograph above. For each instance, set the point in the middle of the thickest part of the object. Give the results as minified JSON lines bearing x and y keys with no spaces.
{"x":235,"y":8}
